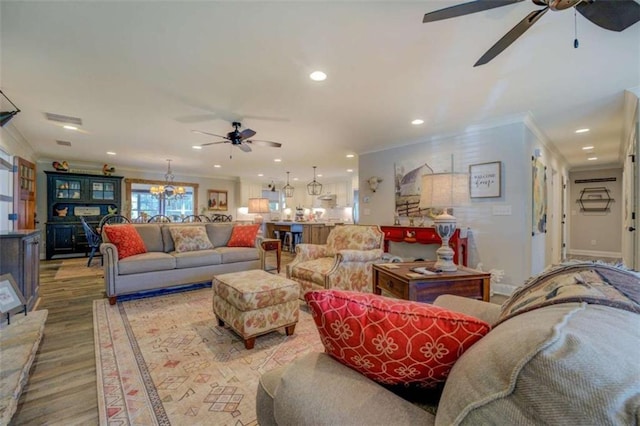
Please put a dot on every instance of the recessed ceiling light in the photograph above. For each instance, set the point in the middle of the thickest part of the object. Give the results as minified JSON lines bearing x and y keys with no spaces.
{"x":68,"y":127}
{"x":217,"y":166}
{"x":417,"y":122}
{"x":350,"y":155}
{"x":318,"y":76}
{"x":587,"y":148}
{"x":295,"y":178}
{"x":592,"y":158}
{"x":277,"y":160}
{"x":260,"y":174}
{"x":349,"y":170}
{"x":196,"y":147}
{"x":319,"y":175}
{"x":582,"y":130}
{"x":111,"y":153}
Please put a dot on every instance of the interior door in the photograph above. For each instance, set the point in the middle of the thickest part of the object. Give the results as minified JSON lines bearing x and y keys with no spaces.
{"x":24,"y":200}
{"x":631,"y":187}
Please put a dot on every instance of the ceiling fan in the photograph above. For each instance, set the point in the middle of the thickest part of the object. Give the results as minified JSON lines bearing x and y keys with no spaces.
{"x":239,"y":138}
{"x":614,"y":15}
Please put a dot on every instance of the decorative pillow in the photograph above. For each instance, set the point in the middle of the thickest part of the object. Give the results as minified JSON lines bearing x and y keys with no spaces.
{"x":126,"y":239}
{"x":190,"y":238}
{"x":243,"y":236}
{"x":392,"y":341}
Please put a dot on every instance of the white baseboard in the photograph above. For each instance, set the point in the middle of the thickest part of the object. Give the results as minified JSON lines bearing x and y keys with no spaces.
{"x":595,"y":253}
{"x":502,"y":289}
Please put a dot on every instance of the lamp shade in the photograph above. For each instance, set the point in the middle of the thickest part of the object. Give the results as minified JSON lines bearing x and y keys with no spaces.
{"x":444,"y":190}
{"x":259,"y":205}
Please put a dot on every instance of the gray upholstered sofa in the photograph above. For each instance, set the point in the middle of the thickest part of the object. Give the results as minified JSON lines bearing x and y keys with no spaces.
{"x":161,"y":266}
{"x":571,"y":361}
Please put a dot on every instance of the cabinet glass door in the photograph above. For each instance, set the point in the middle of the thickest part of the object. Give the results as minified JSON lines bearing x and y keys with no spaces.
{"x":67,"y":189}
{"x":102,"y":191}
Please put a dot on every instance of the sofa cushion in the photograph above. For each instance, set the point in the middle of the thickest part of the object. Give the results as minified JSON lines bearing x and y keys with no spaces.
{"x":219,"y":233}
{"x":167,"y":239}
{"x":353,"y":237}
{"x":237,"y":254}
{"x":192,"y":259}
{"x":564,"y":364}
{"x":151,"y":235}
{"x":392,"y":341}
{"x":244,"y":236}
{"x":148,"y":262}
{"x":189,"y":238}
{"x":126,"y":239}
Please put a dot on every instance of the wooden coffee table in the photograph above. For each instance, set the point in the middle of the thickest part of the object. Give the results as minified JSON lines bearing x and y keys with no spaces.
{"x":396,"y":279}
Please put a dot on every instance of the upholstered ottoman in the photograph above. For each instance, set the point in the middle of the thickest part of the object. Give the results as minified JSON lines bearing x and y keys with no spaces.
{"x":255,"y":302}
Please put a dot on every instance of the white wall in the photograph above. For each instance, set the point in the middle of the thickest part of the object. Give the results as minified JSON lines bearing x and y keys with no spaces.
{"x":497,"y":241}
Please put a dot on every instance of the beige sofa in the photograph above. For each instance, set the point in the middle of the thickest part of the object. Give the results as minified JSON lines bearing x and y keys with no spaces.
{"x":572,"y":359}
{"x":162,"y":267}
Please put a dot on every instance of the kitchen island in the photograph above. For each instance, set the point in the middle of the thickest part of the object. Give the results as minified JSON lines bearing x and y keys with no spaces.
{"x":312,"y":232}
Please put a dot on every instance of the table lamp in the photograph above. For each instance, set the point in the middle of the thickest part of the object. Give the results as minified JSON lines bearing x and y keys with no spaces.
{"x":444,"y":190}
{"x":258,"y":206}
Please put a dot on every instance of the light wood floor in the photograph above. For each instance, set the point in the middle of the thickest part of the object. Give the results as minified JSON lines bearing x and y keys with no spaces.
{"x":62,"y":385}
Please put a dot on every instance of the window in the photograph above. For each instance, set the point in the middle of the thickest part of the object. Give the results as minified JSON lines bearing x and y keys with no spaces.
{"x":143,"y":205}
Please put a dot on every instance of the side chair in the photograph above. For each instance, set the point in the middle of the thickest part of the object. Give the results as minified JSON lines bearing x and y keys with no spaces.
{"x":93,"y":239}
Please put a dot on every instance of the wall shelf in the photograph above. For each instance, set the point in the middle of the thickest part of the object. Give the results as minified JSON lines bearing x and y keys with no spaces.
{"x":595,"y":199}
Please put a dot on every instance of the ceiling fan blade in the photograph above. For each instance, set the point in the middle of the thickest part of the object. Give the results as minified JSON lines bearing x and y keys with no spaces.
{"x":209,"y":134}
{"x":511,"y":36}
{"x":264,"y":143}
{"x":465,"y":9}
{"x":247,"y":133}
{"x":213,"y":143}
{"x":613,"y":15}
{"x":244,"y":147}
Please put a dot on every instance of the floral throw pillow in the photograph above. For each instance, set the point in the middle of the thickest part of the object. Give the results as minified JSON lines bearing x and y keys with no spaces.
{"x":190,"y":238}
{"x":243,"y":236}
{"x":126,"y":239}
{"x":392,"y":341}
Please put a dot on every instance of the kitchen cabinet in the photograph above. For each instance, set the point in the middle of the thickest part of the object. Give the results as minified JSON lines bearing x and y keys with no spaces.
{"x":249,"y":190}
{"x":20,"y":257}
{"x":71,"y":196}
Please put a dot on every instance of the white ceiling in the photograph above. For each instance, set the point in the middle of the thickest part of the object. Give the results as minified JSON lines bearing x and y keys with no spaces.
{"x":142,"y":75}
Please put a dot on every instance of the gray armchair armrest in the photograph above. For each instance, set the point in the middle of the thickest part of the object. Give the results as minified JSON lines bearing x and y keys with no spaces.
{"x":485,"y":311}
{"x":317,"y":390}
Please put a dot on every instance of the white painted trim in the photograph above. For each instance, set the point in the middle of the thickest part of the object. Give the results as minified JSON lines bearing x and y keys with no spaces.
{"x":502,"y":289}
{"x":530,"y":123}
{"x":594,"y":253}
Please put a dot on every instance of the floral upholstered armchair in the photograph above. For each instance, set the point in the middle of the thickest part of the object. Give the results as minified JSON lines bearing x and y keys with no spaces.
{"x":344,"y":262}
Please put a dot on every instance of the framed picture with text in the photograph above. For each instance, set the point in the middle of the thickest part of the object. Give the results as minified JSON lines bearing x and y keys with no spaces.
{"x":10,"y":296}
{"x":485,"y":180}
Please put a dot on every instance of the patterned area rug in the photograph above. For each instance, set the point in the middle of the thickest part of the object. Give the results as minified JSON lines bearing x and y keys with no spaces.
{"x":164,"y":361}
{"x":76,"y":268}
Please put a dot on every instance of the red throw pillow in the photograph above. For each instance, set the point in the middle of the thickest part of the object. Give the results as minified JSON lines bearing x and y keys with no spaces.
{"x":126,"y":239}
{"x":243,"y":236}
{"x":392,"y":341}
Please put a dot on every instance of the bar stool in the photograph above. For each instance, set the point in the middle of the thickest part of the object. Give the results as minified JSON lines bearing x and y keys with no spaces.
{"x":288,"y":241}
{"x":297,"y":239}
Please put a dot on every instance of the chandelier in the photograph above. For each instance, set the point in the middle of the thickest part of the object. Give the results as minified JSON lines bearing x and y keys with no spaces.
{"x":287,"y":189}
{"x":314,"y":188}
{"x":167,"y":191}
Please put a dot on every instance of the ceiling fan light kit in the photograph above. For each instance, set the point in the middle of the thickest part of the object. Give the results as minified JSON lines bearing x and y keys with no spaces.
{"x":611,"y":15}
{"x":239,"y":138}
{"x":314,"y":187}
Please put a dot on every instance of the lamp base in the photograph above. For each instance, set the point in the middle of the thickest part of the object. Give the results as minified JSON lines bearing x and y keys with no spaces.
{"x":445,"y":225}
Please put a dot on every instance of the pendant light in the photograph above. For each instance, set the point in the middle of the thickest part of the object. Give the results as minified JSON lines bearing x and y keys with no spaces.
{"x":314,"y":188}
{"x":287,"y":189}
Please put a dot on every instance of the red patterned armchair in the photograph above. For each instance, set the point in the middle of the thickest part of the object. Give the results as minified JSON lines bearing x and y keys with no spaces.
{"x":344,"y":262}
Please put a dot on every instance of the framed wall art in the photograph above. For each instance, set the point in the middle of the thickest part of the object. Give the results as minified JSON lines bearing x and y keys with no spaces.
{"x":485,"y":180}
{"x":10,"y":296}
{"x":217,"y":200}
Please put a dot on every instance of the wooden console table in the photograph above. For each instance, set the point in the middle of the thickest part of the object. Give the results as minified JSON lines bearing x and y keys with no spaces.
{"x":398,"y":280}
{"x":424,"y":235}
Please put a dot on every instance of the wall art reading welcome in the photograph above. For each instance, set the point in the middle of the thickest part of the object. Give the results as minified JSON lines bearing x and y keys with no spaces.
{"x":484,"y":180}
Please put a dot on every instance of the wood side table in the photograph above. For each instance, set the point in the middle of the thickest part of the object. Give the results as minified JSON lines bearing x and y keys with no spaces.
{"x":271,"y":244}
{"x":394,"y":279}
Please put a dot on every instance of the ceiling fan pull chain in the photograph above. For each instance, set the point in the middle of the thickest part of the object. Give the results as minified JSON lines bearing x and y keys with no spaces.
{"x":576,"y":43}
